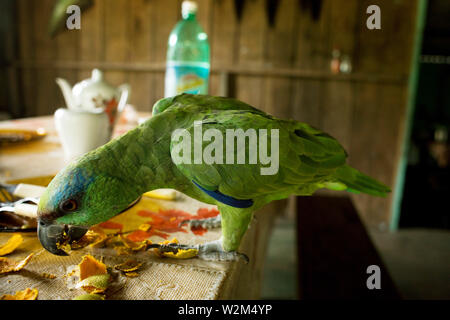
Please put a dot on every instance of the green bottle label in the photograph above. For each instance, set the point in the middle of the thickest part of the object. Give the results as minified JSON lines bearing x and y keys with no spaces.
{"x":186,"y":77}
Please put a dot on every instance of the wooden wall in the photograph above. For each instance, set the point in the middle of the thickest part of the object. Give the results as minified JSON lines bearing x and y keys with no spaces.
{"x":282,"y":68}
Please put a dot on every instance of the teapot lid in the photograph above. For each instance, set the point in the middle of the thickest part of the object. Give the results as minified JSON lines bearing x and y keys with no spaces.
{"x":94,"y":86}
{"x":97,"y":75}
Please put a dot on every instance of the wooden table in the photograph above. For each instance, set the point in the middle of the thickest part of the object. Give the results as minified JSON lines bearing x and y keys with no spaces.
{"x":334,"y":252}
{"x":161,"y":278}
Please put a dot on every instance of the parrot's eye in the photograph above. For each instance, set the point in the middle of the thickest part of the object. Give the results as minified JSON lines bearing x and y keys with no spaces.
{"x":69,"y":205}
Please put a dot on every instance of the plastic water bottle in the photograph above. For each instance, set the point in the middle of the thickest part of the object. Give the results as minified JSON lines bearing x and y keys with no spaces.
{"x":187,"y":68}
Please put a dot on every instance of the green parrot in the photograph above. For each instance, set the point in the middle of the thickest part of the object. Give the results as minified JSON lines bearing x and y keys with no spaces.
{"x":105,"y":181}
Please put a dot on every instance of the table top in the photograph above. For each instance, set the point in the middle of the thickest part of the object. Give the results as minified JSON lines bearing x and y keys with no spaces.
{"x":42,"y":157}
{"x":159,"y":278}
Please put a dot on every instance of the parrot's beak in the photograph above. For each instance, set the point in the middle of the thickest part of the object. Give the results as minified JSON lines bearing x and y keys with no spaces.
{"x":51,"y":235}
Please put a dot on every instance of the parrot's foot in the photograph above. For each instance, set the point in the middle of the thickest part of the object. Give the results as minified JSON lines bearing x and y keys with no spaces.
{"x":208,"y":223}
{"x":211,"y":251}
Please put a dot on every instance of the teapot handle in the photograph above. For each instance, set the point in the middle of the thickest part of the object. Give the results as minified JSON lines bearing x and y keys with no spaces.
{"x":66,"y":90}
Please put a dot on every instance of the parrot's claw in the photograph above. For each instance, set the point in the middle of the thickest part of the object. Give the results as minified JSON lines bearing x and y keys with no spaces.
{"x":208,"y":223}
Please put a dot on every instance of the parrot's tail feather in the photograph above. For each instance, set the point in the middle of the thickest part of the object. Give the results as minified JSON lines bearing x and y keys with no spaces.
{"x":357,"y":182}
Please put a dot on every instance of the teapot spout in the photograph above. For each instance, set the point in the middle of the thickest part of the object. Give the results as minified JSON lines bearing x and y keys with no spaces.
{"x":124,"y":90}
{"x":67,"y":93}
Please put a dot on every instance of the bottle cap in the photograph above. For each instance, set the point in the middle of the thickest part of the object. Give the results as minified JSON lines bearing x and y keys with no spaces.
{"x":188,"y":7}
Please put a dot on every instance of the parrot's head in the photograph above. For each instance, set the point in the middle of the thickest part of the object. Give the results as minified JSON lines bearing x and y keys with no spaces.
{"x":76,"y":199}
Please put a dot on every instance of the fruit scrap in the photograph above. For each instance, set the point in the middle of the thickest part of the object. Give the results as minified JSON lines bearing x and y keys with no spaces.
{"x":158,"y":251}
{"x":94,"y":277}
{"x":180,"y":254}
{"x":122,"y":251}
{"x":89,"y":297}
{"x":95,"y":284}
{"x":92,"y":236}
{"x":132,"y":274}
{"x":48,"y":275}
{"x":128,"y":266}
{"x":144,"y":227}
{"x":7,"y":265}
{"x":134,"y":246}
{"x":127,"y":247}
{"x":64,"y":245}
{"x":13,"y":242}
{"x":95,"y":238}
{"x":27,"y":294}
{"x":100,"y":241}
{"x":163,"y":194}
{"x":89,"y":266}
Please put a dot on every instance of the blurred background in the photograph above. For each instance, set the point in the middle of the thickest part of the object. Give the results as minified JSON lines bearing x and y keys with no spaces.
{"x":384,"y":94}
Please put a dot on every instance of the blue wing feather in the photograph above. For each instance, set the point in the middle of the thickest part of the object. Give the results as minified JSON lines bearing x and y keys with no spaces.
{"x":219,"y":196}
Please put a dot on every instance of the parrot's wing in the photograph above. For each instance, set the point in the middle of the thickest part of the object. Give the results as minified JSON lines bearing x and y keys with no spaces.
{"x":300,"y":157}
{"x":202,"y":103}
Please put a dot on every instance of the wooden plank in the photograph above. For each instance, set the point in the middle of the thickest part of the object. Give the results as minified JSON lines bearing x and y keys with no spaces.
{"x":25,"y":23}
{"x":9,"y":95}
{"x":165,"y":15}
{"x":277,"y":97}
{"x":389,"y":121}
{"x":337,"y":101}
{"x":389,"y":49}
{"x":343,"y":20}
{"x":336,"y":111}
{"x":223,"y":44}
{"x":224,"y":33}
{"x":5,"y":13}
{"x":311,"y":53}
{"x":306,"y":101}
{"x":279,"y":53}
{"x":253,"y":29}
{"x":204,"y":12}
{"x":312,"y":50}
{"x":67,"y":49}
{"x":364,"y":135}
{"x":253,"y":72}
{"x":45,"y":47}
{"x":116,"y":41}
{"x":334,"y":252}
{"x":252,"y":38}
{"x":205,"y":19}
{"x":92,"y":36}
{"x":142,"y":96}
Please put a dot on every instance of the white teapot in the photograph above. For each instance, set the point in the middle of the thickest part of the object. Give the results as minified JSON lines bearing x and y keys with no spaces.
{"x":81,"y":131}
{"x":95,"y":94}
{"x":93,"y":106}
